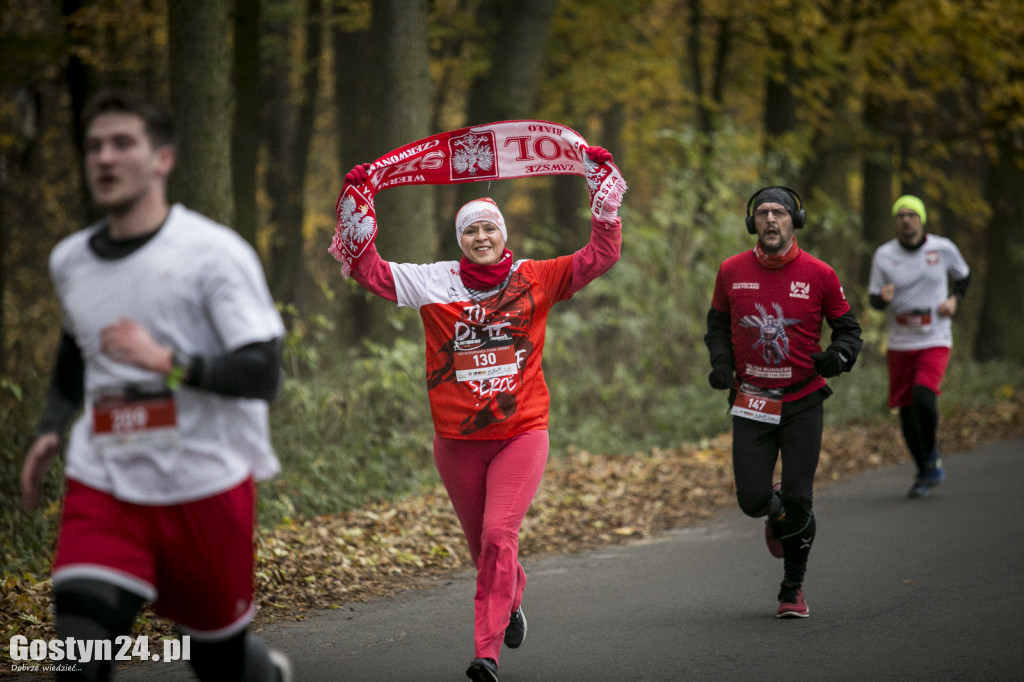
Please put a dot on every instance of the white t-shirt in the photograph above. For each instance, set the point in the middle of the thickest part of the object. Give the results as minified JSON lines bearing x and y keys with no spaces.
{"x":921,"y":277}
{"x":198,"y":287}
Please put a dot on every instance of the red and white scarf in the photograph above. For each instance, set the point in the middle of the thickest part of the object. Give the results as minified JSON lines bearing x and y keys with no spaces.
{"x":496,"y":151}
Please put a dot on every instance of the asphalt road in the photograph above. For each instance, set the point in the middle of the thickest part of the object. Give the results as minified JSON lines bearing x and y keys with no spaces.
{"x":898,"y":589}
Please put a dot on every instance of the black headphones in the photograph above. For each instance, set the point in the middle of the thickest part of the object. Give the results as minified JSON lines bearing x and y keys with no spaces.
{"x":799,"y":217}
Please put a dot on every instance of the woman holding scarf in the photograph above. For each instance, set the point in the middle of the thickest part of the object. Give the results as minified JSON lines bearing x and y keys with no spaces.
{"x":484,"y":317}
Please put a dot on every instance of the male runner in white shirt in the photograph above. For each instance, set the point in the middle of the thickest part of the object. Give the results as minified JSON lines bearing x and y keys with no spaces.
{"x":910,"y":278}
{"x":171,"y":344}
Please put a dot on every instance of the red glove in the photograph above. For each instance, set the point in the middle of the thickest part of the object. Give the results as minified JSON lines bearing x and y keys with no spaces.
{"x":358,"y":175}
{"x":598,"y":154}
{"x":597,"y":171}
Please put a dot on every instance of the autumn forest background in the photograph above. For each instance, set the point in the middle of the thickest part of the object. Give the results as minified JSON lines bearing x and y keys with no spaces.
{"x":850,"y":102}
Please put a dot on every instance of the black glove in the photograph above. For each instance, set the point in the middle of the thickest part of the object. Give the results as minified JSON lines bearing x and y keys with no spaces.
{"x":828,"y":363}
{"x":721,"y":377}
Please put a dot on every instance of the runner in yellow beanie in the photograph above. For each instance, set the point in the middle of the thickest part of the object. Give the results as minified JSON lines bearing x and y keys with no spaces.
{"x":913,"y":203}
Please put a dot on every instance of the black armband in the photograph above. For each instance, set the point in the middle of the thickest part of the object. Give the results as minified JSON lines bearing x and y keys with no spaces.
{"x":960,"y":287}
{"x":877,"y":302}
{"x":67,"y":388}
{"x":718,"y":338}
{"x":845,"y":339}
{"x":252,"y":371}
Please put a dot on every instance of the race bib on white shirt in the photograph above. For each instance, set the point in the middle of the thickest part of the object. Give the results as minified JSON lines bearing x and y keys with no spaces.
{"x":134,"y":419}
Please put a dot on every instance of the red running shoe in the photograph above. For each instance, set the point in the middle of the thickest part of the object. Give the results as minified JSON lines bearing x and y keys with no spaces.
{"x":791,"y":603}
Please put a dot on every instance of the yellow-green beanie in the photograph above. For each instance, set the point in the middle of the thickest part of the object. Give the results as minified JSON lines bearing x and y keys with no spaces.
{"x":913,"y":203}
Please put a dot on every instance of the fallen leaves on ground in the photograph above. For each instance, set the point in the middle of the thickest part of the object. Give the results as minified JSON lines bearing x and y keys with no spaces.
{"x":586,"y":501}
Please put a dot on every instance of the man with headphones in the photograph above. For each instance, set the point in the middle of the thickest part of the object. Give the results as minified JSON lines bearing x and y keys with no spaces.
{"x":764,"y":334}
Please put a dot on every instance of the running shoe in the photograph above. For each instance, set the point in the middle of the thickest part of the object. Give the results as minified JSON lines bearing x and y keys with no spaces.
{"x":282,"y":664}
{"x":483,"y":670}
{"x":773,"y":526}
{"x":515,"y":633}
{"x":919,"y":489}
{"x":791,"y":603}
{"x":933,"y":473}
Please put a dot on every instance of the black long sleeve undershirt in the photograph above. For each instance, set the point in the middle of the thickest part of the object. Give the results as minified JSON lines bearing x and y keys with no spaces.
{"x":718,"y":338}
{"x":252,"y":371}
{"x":67,"y":388}
{"x":845,"y":338}
{"x":960,"y":287}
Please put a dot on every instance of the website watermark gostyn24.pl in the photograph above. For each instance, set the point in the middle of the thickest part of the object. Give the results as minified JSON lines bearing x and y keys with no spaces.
{"x":55,"y":655}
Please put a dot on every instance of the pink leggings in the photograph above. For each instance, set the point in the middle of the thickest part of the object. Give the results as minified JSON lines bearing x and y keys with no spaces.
{"x":491,"y":485}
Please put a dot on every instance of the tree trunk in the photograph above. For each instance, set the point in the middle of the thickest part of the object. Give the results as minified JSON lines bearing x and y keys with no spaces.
{"x":404,"y":214}
{"x":246,"y":133}
{"x":520,"y":35}
{"x":289,"y":124}
{"x":82,"y":83}
{"x":876,"y":197}
{"x":4,"y":267}
{"x":357,"y":91}
{"x":201,"y":100}
{"x":780,"y":117}
{"x":1000,"y":333}
{"x":506,"y":92}
{"x":709,"y":99}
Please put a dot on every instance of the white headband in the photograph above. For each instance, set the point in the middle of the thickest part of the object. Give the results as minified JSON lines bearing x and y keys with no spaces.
{"x":475,"y":211}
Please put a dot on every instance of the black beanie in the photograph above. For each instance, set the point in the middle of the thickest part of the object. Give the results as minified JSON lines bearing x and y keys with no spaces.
{"x":775,"y":195}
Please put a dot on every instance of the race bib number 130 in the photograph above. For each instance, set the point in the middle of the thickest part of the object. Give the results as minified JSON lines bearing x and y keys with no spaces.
{"x":489,"y":360}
